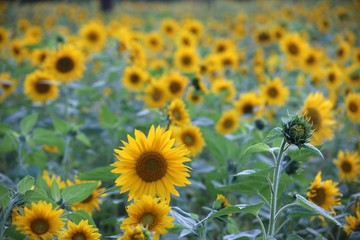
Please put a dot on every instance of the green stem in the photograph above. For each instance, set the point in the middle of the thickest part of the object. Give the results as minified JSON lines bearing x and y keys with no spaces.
{"x":66,"y":101}
{"x":262,"y":226}
{"x":275,"y":188}
{"x":283,"y":208}
{"x":66,"y":151}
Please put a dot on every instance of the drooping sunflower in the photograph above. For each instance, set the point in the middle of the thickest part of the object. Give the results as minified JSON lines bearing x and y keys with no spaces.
{"x":319,"y":111}
{"x":40,"y":86}
{"x":81,"y":231}
{"x":186,"y":60}
{"x":333,"y":77}
{"x":169,"y":27}
{"x":92,"y":202}
{"x":151,"y":212}
{"x":156,"y":94}
{"x":67,"y":64}
{"x":93,"y":36}
{"x":353,"y":223}
{"x":249,"y":104}
{"x":223,"y":201}
{"x":293,"y":46}
{"x":191,"y":137}
{"x":40,"y":221}
{"x":134,"y":78}
{"x":7,"y":85}
{"x":151,"y":165}
{"x":352,"y":103}
{"x":49,"y":178}
{"x":225,"y":87}
{"x":176,"y":84}
{"x":325,"y":194}
{"x":274,"y":92}
{"x":348,"y":164}
{"x":178,"y":113}
{"x":228,"y":122}
{"x":17,"y":50}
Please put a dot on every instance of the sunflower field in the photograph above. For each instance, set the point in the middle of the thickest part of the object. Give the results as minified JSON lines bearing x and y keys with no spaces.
{"x":216,"y":119}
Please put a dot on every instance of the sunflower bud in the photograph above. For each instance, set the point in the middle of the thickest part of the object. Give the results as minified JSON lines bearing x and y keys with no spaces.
{"x":297,"y":130}
{"x":291,"y":166}
{"x":260,"y":124}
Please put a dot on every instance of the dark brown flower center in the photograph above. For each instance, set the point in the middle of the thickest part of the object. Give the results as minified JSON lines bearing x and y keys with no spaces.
{"x":221,"y":48}
{"x":353,"y":107}
{"x":65,"y":64}
{"x":151,"y":166}
{"x":186,"y":60}
{"x":16,"y":50}
{"x":346,"y":166}
{"x":42,"y":57}
{"x":310,"y":60}
{"x":340,"y":52}
{"x":175,"y":87}
{"x":272,"y":92}
{"x":186,"y":42}
{"x":169,"y":29}
{"x":5,"y":84}
{"x":176,"y":113}
{"x":228,"y":123}
{"x":320,"y":196}
{"x":332,"y":77}
{"x":134,"y":78}
{"x":39,"y":226}
{"x":355,"y":78}
{"x":93,"y":37}
{"x":42,"y":86}
{"x":315,"y":118}
{"x":188,"y":139}
{"x":148,"y":219}
{"x":154,"y":42}
{"x":79,"y":236}
{"x":88,"y":199}
{"x":263,"y":37}
{"x":293,"y":49}
{"x":157,"y":94}
{"x":248,"y":109}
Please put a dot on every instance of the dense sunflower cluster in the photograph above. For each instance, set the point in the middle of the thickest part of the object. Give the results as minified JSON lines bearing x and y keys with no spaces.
{"x":188,"y":83}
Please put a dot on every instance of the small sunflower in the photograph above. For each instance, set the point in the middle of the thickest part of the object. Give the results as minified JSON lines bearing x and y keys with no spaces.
{"x":4,"y":37}
{"x":92,"y":202}
{"x":225,"y":87}
{"x":249,"y":104}
{"x":81,"y":231}
{"x":348,"y":164}
{"x":352,"y":77}
{"x":176,"y":84}
{"x":274,"y":92}
{"x":319,"y":111}
{"x":333,"y":77}
{"x":342,"y":52}
{"x":325,"y":194}
{"x":49,"y":178}
{"x":67,"y":64}
{"x":17,"y":50}
{"x":352,"y":103}
{"x":186,"y":40}
{"x":353,"y":223}
{"x":323,"y":24}
{"x":40,"y":221}
{"x":228,"y":60}
{"x":156,"y":94}
{"x":7,"y":85}
{"x":93,"y":36}
{"x":293,"y":46}
{"x":186,"y":60}
{"x":151,"y":213}
{"x":194,"y":27}
{"x":154,"y":42}
{"x":224,"y":203}
{"x":137,"y":54}
{"x":38,"y":56}
{"x":191,"y":137}
{"x":151,"y":165}
{"x":137,"y":232}
{"x":223,"y":45}
{"x":356,"y":56}
{"x":178,"y":113}
{"x":195,"y":97}
{"x":311,"y":59}
{"x":169,"y":27}
{"x":263,"y":37}
{"x":134,"y":78}
{"x":40,"y":87}
{"x":50,"y":149}
{"x":228,"y":122}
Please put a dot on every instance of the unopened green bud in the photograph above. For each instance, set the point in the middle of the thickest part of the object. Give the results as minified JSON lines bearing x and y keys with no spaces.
{"x":297,"y":130}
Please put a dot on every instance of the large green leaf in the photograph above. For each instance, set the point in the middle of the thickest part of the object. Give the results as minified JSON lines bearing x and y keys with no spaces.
{"x":61,"y":126}
{"x":25,"y":184}
{"x":43,"y":136}
{"x":79,"y":215}
{"x":79,"y":192}
{"x":258,"y":148}
{"x":301,"y":201}
{"x":99,"y":174}
{"x":275,"y":133}
{"x":37,"y":195}
{"x":28,"y":123}
{"x":55,"y":191}
{"x":80,"y":136}
{"x":4,"y":196}
{"x":9,"y":142}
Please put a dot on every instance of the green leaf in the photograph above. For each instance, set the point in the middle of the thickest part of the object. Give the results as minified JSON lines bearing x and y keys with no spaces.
{"x":25,"y":184}
{"x":83,"y":139}
{"x":55,"y":191}
{"x":314,"y":149}
{"x":273,"y":134}
{"x":99,"y":174}
{"x":256,"y":172}
{"x":28,"y":123}
{"x":37,"y":157}
{"x":37,"y":195}
{"x":294,"y":237}
{"x":184,"y":219}
{"x":12,"y":233}
{"x":4,"y":197}
{"x":61,"y":126}
{"x":9,"y":142}
{"x":79,"y":215}
{"x":79,"y":192}
{"x":43,"y":136}
{"x":303,"y":202}
{"x":257,"y":148}
{"x":355,"y":73}
{"x":108,"y":118}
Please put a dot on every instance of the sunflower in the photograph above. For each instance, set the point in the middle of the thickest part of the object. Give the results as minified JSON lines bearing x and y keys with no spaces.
{"x":316,"y":76}
{"x":39,"y":86}
{"x":293,"y":46}
{"x":50,"y":178}
{"x":81,"y":231}
{"x":311,"y":59}
{"x":333,"y":77}
{"x":93,"y":35}
{"x":249,"y":104}
{"x":352,"y":77}
{"x":4,"y":37}
{"x":223,"y":45}
{"x":150,"y":212}
{"x":224,"y":203}
{"x":343,"y":51}
{"x":191,"y":137}
{"x":176,"y":84}
{"x":228,"y":60}
{"x":225,"y":87}
{"x":154,"y":42}
{"x":178,"y":113}
{"x":134,"y":78}
{"x":319,"y":111}
{"x":67,"y":64}
{"x":50,"y":149}
{"x":7,"y":85}
{"x":278,"y":32}
{"x":156,"y":94}
{"x":134,"y":232}
{"x":137,"y":54}
{"x":186,"y":60}
{"x":169,"y":27}
{"x":323,"y":24}
{"x":325,"y":194}
{"x":33,"y":35}
{"x":348,"y":164}
{"x":195,"y":97}
{"x":353,"y":223}
{"x":274,"y":92}
{"x":38,"y":56}
{"x":186,"y":40}
{"x":263,"y":37}
{"x":151,"y":165}
{"x":17,"y":50}
{"x":356,"y":56}
{"x":194,"y":27}
{"x":40,"y":221}
{"x":228,"y":122}
{"x":352,"y":103}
